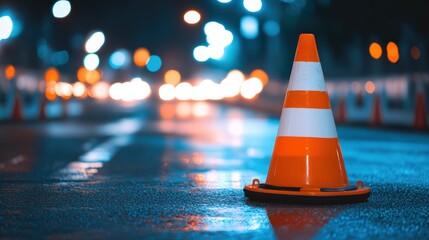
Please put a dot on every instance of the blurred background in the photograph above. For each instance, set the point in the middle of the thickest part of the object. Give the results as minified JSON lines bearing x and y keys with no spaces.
{"x":147,"y":118}
{"x":77,"y":53}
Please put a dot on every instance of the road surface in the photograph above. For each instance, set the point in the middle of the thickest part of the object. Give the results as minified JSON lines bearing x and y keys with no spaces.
{"x":178,"y":170}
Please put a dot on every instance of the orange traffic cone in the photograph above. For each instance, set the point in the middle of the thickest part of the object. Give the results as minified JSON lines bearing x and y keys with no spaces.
{"x":17,"y":109}
{"x":420,"y":114}
{"x":307,"y":165}
{"x":42,"y":109}
{"x":341,"y":110}
{"x":376,"y":111}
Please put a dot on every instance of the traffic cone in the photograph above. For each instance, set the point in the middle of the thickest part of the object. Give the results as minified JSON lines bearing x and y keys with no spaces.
{"x":307,"y":165}
{"x":17,"y":109}
{"x":420,"y":114}
{"x":42,"y":109}
{"x":376,"y":111}
{"x":341,"y":110}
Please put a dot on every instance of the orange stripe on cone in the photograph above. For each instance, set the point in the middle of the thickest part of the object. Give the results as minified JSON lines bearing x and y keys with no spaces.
{"x":307,"y":162}
{"x":307,"y":99}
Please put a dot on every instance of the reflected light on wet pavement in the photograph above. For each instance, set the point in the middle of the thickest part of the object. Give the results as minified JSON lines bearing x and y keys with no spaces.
{"x":178,"y":170}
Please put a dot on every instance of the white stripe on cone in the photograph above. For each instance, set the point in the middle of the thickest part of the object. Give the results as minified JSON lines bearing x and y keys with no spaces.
{"x":307,"y":122}
{"x":307,"y":76}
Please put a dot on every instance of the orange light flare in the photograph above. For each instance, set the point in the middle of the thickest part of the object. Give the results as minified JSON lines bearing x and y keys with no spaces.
{"x":370,"y":87}
{"x":92,"y":77}
{"x":141,"y":56}
{"x":172,"y":77}
{"x":261,"y":75}
{"x":167,"y":111}
{"x":52,"y":75}
{"x":9,"y":72}
{"x":392,"y":52}
{"x":415,"y":53}
{"x":50,"y":93}
{"x":81,"y":74}
{"x":375,"y":50}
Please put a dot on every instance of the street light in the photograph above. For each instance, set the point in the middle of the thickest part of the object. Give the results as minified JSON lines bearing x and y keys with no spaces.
{"x":252,"y":5}
{"x":6,"y":27}
{"x":192,"y":17}
{"x":61,"y":9}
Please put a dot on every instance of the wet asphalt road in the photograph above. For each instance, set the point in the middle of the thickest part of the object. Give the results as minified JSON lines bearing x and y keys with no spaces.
{"x":157,"y":174}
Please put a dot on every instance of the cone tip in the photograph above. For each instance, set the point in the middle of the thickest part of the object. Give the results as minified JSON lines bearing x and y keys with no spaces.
{"x":306,"y":50}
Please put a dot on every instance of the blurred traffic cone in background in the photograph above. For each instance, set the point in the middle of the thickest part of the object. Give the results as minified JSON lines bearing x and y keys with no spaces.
{"x":376,"y":111}
{"x":341,"y":110}
{"x":17,"y":109}
{"x":42,"y":109}
{"x":420,"y":114}
{"x":307,"y":165}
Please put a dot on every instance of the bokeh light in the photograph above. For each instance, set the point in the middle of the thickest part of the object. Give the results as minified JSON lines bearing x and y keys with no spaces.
{"x":91,"y":61}
{"x":9,"y":72}
{"x":192,"y":17}
{"x":167,"y":92}
{"x":52,"y":75}
{"x":272,"y":28}
{"x":392,"y":52}
{"x":261,"y":75}
{"x":172,"y":77}
{"x":50,"y":93}
{"x":415,"y":53}
{"x":94,"y":42}
{"x":115,"y":91}
{"x":99,"y":90}
{"x":201,"y":54}
{"x":370,"y":87}
{"x":375,"y":50}
{"x":231,"y":85}
{"x":200,"y":109}
{"x":215,"y":52}
{"x":61,"y":9}
{"x":250,"y":88}
{"x":141,"y":55}
{"x":120,"y":59}
{"x":252,"y":5}
{"x":92,"y":77}
{"x":79,"y":90}
{"x":154,"y":63}
{"x":249,"y":27}
{"x":6,"y":27}
{"x":59,"y":58}
{"x":183,"y":91}
{"x":64,"y":90}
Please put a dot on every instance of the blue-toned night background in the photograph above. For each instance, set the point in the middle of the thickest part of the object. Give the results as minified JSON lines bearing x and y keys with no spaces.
{"x":145,"y":119}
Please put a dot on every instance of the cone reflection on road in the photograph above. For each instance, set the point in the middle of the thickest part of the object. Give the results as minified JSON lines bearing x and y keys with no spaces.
{"x":299,"y":222}
{"x":307,"y":163}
